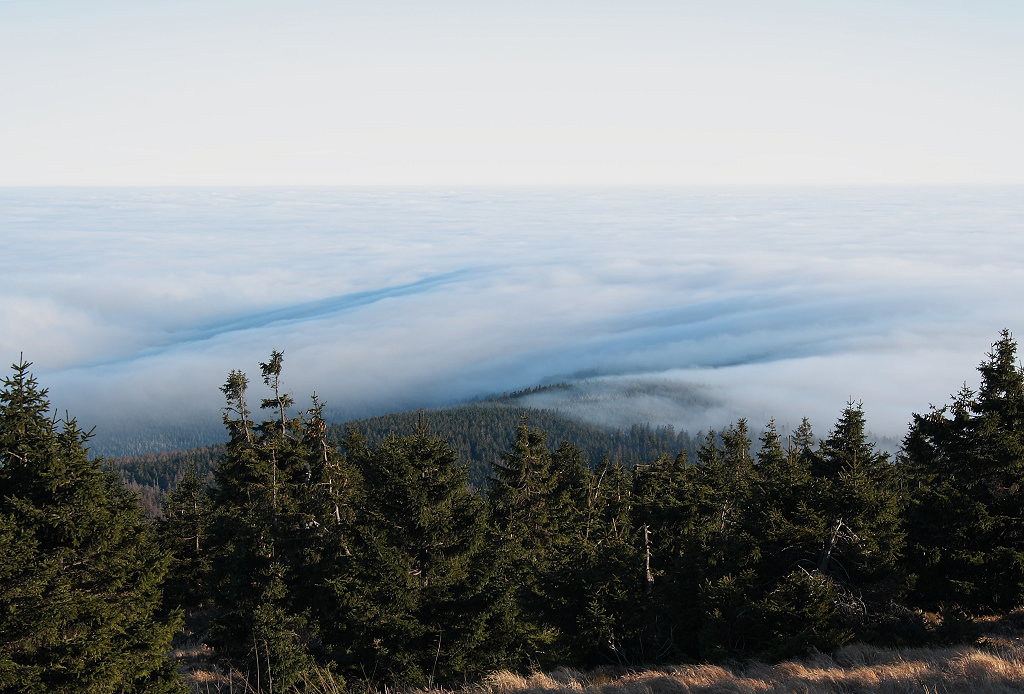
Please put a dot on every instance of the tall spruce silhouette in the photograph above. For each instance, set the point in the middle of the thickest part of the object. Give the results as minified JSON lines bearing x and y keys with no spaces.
{"x":82,"y":573}
{"x":965,"y":466}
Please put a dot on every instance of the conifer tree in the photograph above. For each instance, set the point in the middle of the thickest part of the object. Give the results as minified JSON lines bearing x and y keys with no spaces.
{"x":790,"y":605}
{"x":417,"y":596}
{"x":525,"y":517}
{"x":784,"y":518}
{"x":965,"y":463}
{"x":727,"y":480}
{"x":259,"y":536}
{"x":183,"y":533}
{"x":861,"y":504}
{"x":332,"y":489}
{"x":81,"y":580}
{"x":667,"y":514}
{"x":607,"y":584}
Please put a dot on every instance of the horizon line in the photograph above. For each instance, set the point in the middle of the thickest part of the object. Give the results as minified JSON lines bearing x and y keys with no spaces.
{"x":953,"y":184}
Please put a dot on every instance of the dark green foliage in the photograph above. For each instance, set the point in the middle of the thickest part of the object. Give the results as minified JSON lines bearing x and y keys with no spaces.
{"x":830,"y":540}
{"x":153,"y":475}
{"x":525,"y":514}
{"x":965,"y":466}
{"x":861,"y":503}
{"x":604,"y":584}
{"x":561,"y":536}
{"x":743,"y":543}
{"x":482,"y":433}
{"x":666,"y":502}
{"x":802,"y":608}
{"x":81,"y":579}
{"x":260,"y":533}
{"x":786,"y":517}
{"x":479,"y":434}
{"x":387,"y":565}
{"x":183,"y":533}
{"x":418,"y":609}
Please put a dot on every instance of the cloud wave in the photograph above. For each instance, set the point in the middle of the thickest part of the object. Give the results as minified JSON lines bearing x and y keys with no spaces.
{"x":134,"y":303}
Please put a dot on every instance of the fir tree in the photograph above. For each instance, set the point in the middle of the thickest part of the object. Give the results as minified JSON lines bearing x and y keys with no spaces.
{"x":525,"y":516}
{"x":606,"y":584}
{"x":81,"y":581}
{"x":965,"y":463}
{"x":260,"y":537}
{"x":183,"y":533}
{"x":417,"y":598}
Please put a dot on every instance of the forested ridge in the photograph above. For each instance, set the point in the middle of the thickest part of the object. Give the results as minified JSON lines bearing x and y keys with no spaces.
{"x":479,"y":433}
{"x":380,"y":561}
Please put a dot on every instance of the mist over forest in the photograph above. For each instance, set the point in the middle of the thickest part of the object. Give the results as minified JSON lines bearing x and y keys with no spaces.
{"x":682,"y":306}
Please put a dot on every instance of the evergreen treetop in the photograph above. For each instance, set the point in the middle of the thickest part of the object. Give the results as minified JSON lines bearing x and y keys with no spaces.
{"x":81,"y":583}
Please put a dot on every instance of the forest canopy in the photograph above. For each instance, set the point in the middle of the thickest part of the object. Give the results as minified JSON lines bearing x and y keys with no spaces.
{"x":382,"y":560}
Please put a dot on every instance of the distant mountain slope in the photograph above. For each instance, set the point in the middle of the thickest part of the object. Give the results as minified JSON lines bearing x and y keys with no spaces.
{"x":480,"y":433}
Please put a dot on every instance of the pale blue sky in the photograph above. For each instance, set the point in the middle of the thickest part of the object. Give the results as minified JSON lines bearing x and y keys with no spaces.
{"x":267,"y":92}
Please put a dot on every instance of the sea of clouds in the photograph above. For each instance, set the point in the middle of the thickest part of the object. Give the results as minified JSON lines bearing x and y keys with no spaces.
{"x":683,"y":306}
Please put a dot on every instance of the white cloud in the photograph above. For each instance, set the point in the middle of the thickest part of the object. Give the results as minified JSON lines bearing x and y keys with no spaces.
{"x":776,"y":302}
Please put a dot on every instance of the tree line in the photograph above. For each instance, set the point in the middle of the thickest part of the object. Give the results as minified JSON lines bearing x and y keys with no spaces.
{"x":379,"y":561}
{"x":479,"y":433}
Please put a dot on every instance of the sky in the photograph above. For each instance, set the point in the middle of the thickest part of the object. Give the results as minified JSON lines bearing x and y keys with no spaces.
{"x":750,"y":208}
{"x":452,"y":92}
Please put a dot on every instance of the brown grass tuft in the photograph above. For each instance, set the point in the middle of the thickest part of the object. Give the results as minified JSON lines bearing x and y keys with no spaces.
{"x":994,"y":665}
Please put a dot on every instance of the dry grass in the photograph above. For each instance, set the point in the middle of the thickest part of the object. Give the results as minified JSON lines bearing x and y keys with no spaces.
{"x":967,"y":670}
{"x":993,"y":665}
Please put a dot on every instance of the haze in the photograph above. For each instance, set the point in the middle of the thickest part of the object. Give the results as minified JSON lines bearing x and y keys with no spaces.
{"x":694,"y":211}
{"x":135,"y":303}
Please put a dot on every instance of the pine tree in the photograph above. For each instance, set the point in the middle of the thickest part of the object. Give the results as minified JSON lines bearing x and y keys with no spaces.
{"x":81,"y":580}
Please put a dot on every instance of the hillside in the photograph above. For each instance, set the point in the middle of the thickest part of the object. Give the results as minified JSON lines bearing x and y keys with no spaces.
{"x":479,"y":432}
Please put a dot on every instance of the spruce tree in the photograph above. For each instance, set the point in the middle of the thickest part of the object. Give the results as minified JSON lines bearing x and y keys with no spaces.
{"x":791,"y":605}
{"x":183,"y":533}
{"x":525,"y":515}
{"x":861,"y":503}
{"x":417,"y":593}
{"x":81,"y":580}
{"x":606,"y":584}
{"x":668,"y":500}
{"x":259,"y":536}
{"x":965,"y":466}
{"x":726,"y":480}
{"x":784,"y":519}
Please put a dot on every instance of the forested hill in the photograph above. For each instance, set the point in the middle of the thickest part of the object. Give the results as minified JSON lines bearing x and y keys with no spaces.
{"x":385,"y":567}
{"x":481,"y":433}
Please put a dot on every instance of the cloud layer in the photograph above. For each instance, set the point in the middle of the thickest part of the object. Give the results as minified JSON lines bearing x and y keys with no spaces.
{"x":135,"y":303}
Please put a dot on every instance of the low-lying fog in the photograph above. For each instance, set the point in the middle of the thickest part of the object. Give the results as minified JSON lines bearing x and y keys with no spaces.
{"x":686,"y":306}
